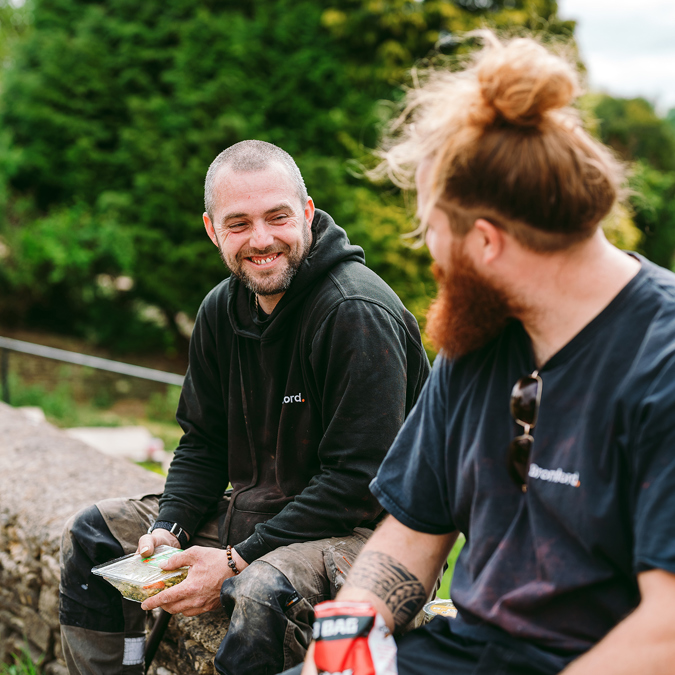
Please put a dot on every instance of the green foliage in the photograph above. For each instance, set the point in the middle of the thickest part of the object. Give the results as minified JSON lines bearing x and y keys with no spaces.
{"x":653,"y":202}
{"x":162,"y":407}
{"x":635,"y":131}
{"x":14,"y":22}
{"x":57,"y":404}
{"x":23,"y":665}
{"x":444,"y":590}
{"x":645,"y":140}
{"x":112,"y":112}
{"x":621,"y":230}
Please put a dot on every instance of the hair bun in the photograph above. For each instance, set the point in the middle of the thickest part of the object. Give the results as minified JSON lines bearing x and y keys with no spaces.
{"x":522,"y":81}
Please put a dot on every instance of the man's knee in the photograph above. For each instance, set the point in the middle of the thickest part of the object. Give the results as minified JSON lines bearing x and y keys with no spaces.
{"x":85,"y":600}
{"x":260,"y":583}
{"x":87,"y":537}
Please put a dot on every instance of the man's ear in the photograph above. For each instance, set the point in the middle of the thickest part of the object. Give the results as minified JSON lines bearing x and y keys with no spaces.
{"x":209,"y":229}
{"x":488,"y":241}
{"x":309,"y":211}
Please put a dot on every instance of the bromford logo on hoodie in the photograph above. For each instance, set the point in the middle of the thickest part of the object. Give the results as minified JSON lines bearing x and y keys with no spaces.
{"x":294,"y":398}
{"x":554,"y":475}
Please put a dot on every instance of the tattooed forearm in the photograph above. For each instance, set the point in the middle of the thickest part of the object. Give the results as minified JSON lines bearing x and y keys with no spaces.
{"x":390,"y":581}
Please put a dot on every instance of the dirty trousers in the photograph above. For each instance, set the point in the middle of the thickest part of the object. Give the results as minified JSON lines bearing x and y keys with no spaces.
{"x":270,"y":604}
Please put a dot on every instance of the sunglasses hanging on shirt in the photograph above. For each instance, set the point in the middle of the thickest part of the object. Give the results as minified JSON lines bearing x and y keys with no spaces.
{"x":525,"y":399}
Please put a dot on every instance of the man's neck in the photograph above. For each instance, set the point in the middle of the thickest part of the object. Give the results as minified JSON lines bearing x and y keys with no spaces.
{"x":565,"y":292}
{"x":268,"y":302}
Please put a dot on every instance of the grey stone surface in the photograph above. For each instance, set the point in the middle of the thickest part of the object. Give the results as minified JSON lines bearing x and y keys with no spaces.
{"x":45,"y":477}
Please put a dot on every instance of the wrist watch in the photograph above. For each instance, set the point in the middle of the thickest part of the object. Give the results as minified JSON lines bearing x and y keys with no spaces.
{"x":174,"y":528}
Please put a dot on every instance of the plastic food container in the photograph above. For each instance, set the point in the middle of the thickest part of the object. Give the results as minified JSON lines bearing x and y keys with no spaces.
{"x":439,"y":608}
{"x":138,"y":578}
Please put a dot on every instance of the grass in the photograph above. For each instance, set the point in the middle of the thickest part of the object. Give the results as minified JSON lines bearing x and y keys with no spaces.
{"x":23,"y":665}
{"x":444,"y":590}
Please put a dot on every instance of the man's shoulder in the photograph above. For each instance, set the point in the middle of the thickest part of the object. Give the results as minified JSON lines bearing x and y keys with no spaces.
{"x":351,"y":287}
{"x":212,"y":315}
{"x":216,"y":299}
{"x":352,"y":280}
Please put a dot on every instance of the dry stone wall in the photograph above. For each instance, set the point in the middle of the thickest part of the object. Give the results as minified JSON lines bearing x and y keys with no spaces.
{"x":45,"y":477}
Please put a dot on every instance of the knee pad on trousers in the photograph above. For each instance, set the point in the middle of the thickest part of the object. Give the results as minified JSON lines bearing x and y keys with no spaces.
{"x":86,"y":600}
{"x":262,"y":583}
{"x":260,"y":603}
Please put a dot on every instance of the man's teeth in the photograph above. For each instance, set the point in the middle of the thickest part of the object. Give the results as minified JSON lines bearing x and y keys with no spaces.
{"x":264,"y":260}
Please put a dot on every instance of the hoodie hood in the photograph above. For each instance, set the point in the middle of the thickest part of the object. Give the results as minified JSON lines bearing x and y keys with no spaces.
{"x":330,"y":246}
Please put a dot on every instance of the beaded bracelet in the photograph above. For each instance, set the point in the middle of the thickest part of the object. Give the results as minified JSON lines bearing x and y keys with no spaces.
{"x":230,"y":561}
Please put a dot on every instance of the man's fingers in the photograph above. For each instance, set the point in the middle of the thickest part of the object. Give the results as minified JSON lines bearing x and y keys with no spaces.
{"x":167,"y":597}
{"x":146,"y":545}
{"x":182,"y":559}
{"x":184,"y":606}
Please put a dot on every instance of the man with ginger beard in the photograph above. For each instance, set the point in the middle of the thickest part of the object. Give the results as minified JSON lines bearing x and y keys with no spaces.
{"x":545,"y":432}
{"x":303,"y":366}
{"x":468,"y":311}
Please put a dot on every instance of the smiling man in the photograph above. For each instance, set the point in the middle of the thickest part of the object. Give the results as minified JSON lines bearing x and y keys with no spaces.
{"x":303,"y":366}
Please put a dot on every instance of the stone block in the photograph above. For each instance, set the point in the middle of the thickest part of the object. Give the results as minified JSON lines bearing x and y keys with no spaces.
{"x":51,"y":573}
{"x":57,"y":648}
{"x":16,"y":646}
{"x":32,"y":516}
{"x":12,"y":621}
{"x":161,"y":670}
{"x":37,"y":630}
{"x":199,"y":659}
{"x":48,"y":605}
{"x":56,"y":668}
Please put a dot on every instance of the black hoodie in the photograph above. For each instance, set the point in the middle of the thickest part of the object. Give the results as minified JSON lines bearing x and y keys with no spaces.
{"x":296,"y":411}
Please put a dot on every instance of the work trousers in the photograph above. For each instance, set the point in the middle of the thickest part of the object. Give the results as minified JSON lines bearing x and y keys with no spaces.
{"x":270,"y":604}
{"x":441,"y":647}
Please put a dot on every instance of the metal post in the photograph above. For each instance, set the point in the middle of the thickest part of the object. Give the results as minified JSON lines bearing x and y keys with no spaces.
{"x":4,"y":374}
{"x":155,"y":637}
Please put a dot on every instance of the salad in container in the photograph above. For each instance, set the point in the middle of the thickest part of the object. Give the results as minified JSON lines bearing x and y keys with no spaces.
{"x":138,"y":578}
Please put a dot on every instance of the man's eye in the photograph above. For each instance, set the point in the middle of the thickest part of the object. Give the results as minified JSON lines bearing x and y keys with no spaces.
{"x":281,"y":217}
{"x":236,"y":226}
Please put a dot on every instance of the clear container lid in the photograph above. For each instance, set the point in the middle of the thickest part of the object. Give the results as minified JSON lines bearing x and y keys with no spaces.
{"x":138,"y":571}
{"x":440,"y":607}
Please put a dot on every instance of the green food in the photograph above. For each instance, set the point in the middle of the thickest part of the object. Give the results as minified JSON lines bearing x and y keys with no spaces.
{"x":141,"y":593}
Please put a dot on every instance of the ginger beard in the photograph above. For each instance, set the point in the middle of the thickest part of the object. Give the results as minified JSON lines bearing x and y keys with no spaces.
{"x":469,"y":311}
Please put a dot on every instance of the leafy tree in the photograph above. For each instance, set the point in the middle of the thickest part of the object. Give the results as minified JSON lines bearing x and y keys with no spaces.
{"x":653,"y":202}
{"x":112,"y":111}
{"x":636,"y":132}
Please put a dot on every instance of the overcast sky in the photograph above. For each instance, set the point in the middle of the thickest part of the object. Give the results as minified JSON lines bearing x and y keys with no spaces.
{"x":628,"y":46}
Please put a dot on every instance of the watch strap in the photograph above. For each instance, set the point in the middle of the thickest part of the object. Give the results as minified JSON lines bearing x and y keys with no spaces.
{"x":174,"y":528}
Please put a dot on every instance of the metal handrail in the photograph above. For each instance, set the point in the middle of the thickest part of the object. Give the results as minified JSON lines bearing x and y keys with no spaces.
{"x":9,"y":344}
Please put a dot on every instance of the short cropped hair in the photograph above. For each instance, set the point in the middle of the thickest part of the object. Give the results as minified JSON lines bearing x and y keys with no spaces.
{"x":502,"y":142}
{"x":251,"y":156}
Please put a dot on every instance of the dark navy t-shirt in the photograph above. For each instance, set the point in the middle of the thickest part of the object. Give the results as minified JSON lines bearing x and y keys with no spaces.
{"x":557,"y":565}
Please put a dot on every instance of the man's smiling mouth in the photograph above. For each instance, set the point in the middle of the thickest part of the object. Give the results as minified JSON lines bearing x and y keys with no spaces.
{"x":260,"y":260}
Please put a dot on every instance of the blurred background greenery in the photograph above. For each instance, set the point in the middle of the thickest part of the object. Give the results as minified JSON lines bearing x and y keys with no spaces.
{"x":111,"y":111}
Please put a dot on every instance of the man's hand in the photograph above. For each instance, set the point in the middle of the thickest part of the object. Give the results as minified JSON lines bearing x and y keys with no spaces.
{"x":149,"y":542}
{"x":200,"y":592}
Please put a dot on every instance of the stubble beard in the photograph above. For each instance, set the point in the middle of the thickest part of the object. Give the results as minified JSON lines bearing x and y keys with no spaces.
{"x":469,"y":310}
{"x":277,"y":281}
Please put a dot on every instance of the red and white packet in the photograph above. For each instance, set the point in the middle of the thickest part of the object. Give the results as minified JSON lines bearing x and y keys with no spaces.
{"x":352,"y":639}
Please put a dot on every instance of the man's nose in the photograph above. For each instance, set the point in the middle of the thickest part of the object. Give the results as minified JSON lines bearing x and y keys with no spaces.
{"x":261,"y":236}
